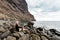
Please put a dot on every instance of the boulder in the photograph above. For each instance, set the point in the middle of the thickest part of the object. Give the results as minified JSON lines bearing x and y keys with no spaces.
{"x":44,"y":38}
{"x":4,"y":35}
{"x":25,"y":37}
{"x":16,"y":34}
{"x":21,"y":33}
{"x":2,"y":29}
{"x":11,"y":38}
{"x":55,"y":38}
{"x":35,"y":37}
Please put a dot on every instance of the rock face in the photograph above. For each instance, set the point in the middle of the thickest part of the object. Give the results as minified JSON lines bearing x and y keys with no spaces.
{"x":14,"y":10}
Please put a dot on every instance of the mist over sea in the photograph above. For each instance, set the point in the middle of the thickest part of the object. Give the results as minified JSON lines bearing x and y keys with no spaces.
{"x":48,"y":24}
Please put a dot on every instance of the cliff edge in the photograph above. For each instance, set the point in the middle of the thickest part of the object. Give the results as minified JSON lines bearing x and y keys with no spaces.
{"x":15,"y":10}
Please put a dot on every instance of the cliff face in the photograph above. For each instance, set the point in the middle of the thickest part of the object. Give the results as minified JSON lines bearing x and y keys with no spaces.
{"x":14,"y":10}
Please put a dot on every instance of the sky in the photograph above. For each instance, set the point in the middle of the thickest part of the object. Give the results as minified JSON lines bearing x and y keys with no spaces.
{"x":44,"y":10}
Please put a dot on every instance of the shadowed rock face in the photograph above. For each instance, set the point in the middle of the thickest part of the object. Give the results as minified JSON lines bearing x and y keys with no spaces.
{"x":15,"y":10}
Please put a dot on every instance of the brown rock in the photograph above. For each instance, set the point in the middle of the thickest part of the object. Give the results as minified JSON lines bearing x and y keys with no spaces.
{"x":2,"y":29}
{"x":25,"y":37}
{"x":14,"y":10}
{"x":35,"y":37}
{"x":5,"y":34}
{"x":44,"y":38}
{"x":16,"y":34}
{"x":11,"y":38}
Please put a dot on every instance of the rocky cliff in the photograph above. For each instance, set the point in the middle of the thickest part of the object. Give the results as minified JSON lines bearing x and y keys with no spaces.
{"x":14,"y":10}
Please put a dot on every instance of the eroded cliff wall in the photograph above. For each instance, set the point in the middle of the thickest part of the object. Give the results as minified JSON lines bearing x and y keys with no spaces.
{"x":15,"y":10}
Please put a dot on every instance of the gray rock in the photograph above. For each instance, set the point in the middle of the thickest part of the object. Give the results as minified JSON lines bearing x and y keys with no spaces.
{"x":55,"y":38}
{"x":25,"y":37}
{"x":5,"y":34}
{"x":35,"y":37}
{"x":16,"y":34}
{"x":21,"y":33}
{"x":11,"y":38}
{"x":44,"y":38}
{"x":6,"y":26}
{"x":2,"y":29}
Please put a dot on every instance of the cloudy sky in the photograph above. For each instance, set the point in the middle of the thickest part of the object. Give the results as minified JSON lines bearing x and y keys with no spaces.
{"x":45,"y":10}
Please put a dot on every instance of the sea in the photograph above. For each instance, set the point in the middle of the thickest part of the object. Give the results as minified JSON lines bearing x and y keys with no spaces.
{"x":48,"y":25}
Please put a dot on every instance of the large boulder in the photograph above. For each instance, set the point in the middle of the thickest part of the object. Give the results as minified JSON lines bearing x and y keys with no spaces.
{"x":55,"y":38}
{"x":16,"y":34}
{"x":24,"y":37}
{"x":35,"y":37}
{"x":44,"y":38}
{"x":11,"y":38}
{"x":2,"y":29}
{"x":5,"y":34}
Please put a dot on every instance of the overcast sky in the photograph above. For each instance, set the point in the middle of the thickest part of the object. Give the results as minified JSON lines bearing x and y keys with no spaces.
{"x":45,"y":10}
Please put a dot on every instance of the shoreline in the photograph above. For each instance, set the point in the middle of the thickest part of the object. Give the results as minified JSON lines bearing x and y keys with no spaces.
{"x":26,"y":33}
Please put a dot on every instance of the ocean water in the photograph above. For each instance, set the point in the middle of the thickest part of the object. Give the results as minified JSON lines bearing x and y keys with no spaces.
{"x":48,"y":25}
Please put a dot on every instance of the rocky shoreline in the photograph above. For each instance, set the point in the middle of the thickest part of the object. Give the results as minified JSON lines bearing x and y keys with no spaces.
{"x":26,"y":32}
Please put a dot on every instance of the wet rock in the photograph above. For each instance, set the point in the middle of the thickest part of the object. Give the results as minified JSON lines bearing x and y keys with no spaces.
{"x":54,"y":31}
{"x":55,"y":38}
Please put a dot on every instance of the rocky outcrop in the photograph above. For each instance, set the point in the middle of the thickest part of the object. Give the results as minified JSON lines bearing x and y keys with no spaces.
{"x":14,"y":10}
{"x":26,"y":34}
